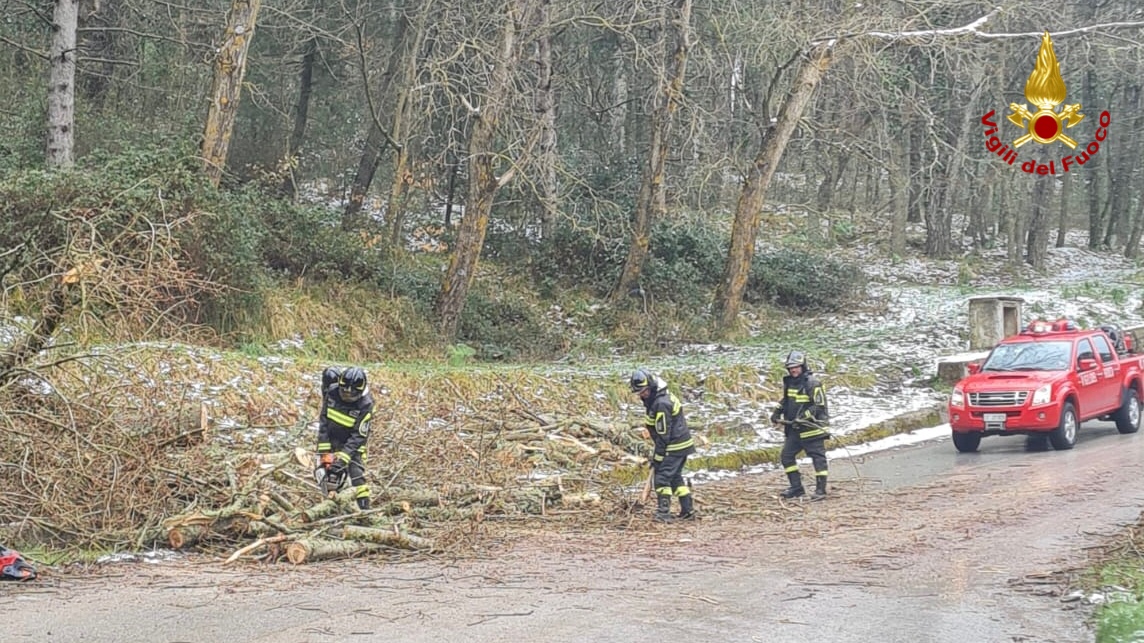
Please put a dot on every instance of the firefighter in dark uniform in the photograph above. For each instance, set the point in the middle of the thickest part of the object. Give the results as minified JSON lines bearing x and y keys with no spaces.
{"x":329,"y":378}
{"x":668,"y":430}
{"x":343,"y":428}
{"x":803,"y":414}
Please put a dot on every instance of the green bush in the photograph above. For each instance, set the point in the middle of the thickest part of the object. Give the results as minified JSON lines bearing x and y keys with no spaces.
{"x":685,"y":263}
{"x":795,"y":279}
{"x":502,"y":326}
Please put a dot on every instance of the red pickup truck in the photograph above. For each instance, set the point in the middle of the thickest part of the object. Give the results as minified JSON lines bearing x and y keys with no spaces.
{"x":1045,"y":381}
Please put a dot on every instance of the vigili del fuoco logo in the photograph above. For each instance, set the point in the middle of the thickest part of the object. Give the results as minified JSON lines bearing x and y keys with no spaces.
{"x":1045,"y":89}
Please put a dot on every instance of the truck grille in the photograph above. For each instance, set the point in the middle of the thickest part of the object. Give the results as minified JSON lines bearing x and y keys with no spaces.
{"x":999,"y":398}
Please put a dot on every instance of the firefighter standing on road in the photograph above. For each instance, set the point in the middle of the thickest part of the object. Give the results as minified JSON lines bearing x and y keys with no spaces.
{"x":343,"y":428}
{"x":668,"y":430}
{"x":803,"y":414}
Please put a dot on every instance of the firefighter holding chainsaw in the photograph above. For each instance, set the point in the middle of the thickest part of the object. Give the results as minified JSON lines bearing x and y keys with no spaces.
{"x":803,"y":414}
{"x":673,"y":443}
{"x":343,"y":428}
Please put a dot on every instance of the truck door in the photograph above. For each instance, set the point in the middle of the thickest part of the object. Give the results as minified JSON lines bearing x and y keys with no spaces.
{"x":1110,"y":374}
{"x":1088,"y":379}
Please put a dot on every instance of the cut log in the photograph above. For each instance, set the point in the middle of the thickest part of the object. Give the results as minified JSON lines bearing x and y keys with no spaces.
{"x":185,"y":535}
{"x":388,"y":537}
{"x":309,"y":550}
{"x":326,"y":508}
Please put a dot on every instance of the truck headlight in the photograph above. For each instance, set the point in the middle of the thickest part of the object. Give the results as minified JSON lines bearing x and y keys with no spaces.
{"x":957,"y":398}
{"x":1043,"y":395}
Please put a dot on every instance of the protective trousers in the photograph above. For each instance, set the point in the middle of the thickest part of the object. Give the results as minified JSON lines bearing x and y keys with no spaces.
{"x":815,"y":448}
{"x":668,"y":482}
{"x":356,"y":470}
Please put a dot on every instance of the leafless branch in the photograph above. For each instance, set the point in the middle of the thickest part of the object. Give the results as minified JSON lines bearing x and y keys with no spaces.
{"x":34,"y":52}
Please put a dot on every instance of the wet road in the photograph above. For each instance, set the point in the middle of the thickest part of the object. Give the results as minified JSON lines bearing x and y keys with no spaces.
{"x":920,"y":544}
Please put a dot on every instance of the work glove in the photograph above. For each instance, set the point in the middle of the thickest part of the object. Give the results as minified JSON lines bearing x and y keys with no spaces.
{"x":340,"y":463}
{"x":776,"y":415}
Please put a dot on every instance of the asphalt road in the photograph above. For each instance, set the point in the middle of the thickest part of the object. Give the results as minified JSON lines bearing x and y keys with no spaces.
{"x":917,"y":545}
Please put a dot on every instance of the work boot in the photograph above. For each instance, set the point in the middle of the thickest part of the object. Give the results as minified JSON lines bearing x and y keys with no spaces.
{"x":663,"y":509}
{"x":795,"y":490}
{"x":687,"y":508}
{"x":819,"y":488}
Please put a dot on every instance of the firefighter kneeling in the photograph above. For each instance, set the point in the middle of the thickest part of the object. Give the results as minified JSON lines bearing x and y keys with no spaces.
{"x":343,"y":428}
{"x":804,"y":417}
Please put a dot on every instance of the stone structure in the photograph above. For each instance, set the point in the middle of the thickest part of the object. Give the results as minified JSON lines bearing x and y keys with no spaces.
{"x":992,"y":319}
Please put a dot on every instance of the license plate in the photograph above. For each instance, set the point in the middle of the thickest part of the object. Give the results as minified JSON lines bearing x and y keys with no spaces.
{"x":994,"y":417}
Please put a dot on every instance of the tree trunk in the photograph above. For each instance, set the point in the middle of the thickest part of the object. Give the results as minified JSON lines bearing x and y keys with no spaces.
{"x":1014,"y":225}
{"x":402,"y":124}
{"x":900,"y":196}
{"x":1092,"y":182}
{"x":229,"y":69}
{"x":917,"y":184}
{"x":651,"y":202}
{"x":483,"y":183}
{"x":546,"y":109}
{"x":301,"y":111}
{"x":376,"y":140}
{"x":375,"y":144}
{"x":618,"y":114}
{"x":1063,"y":214}
{"x":825,"y":198}
{"x":451,"y":188}
{"x":1132,"y":247}
{"x":977,"y":207}
{"x":745,"y":228}
{"x":1122,"y":162}
{"x":1037,"y":243}
{"x":61,"y":86}
{"x":939,"y":214}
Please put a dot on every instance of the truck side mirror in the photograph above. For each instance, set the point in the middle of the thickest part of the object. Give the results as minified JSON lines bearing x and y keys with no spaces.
{"x":1085,"y":364}
{"x":973,"y":368}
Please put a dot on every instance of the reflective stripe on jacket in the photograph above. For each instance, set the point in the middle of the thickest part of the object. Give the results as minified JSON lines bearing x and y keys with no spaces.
{"x":804,"y":406}
{"x":665,"y":423}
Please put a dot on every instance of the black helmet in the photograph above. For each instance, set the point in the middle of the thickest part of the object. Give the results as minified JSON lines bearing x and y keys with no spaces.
{"x":641,"y":379}
{"x":330,"y":377}
{"x":351,"y":384}
{"x":795,"y":358}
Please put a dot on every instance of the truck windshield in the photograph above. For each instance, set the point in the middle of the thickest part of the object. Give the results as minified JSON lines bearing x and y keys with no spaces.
{"x":1029,"y":356}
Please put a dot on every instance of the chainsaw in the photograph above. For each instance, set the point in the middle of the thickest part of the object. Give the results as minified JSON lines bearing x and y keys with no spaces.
{"x":329,"y":484}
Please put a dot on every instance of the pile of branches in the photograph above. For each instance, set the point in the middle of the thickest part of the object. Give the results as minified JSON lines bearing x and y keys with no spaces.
{"x":94,"y":463}
{"x":275,"y":512}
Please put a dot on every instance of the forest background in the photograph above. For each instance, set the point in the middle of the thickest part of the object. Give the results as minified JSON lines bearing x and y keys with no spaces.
{"x":240,"y":173}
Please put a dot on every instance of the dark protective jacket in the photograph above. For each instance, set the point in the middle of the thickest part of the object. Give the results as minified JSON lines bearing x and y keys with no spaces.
{"x":803,"y":407}
{"x":343,"y":425}
{"x":665,"y":423}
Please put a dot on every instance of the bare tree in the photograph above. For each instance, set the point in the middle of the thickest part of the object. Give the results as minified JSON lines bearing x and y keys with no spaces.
{"x":301,"y":113}
{"x":378,"y":138}
{"x":483,"y":182}
{"x":404,"y":124}
{"x":546,"y":108}
{"x":745,"y":228}
{"x":61,"y":85}
{"x":229,"y":69}
{"x":1037,"y":241}
{"x":650,"y":204}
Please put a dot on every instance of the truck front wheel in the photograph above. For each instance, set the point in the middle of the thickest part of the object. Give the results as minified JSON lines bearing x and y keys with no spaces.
{"x":966,"y":442}
{"x":1128,"y":415}
{"x":1064,"y":436}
